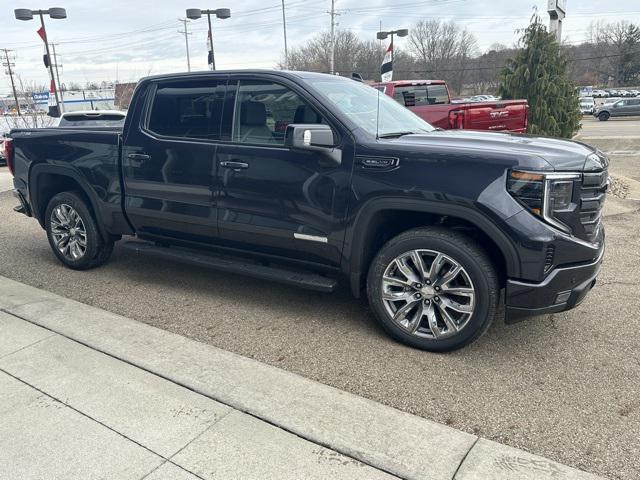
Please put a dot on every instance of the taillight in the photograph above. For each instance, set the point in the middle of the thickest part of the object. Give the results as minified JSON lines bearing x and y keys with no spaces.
{"x":526,"y":118}
{"x":8,"y":154}
{"x":456,"y":119}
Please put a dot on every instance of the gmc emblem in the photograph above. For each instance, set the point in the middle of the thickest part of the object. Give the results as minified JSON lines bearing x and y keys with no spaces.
{"x":502,"y":114}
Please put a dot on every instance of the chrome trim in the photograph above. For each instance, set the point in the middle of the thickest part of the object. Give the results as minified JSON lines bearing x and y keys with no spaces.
{"x":311,"y":238}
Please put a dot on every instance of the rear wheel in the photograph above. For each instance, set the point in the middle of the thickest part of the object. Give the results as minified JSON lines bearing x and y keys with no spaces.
{"x":433,"y":289}
{"x":604,"y":116}
{"x":73,"y":233}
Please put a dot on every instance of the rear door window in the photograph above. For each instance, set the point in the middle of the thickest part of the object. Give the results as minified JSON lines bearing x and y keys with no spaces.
{"x":418,"y":95}
{"x":188,"y":109}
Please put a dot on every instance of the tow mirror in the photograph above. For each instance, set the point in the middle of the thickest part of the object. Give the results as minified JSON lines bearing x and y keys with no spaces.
{"x":313,"y":137}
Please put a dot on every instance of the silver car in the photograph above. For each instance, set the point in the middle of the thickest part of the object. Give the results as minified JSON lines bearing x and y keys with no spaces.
{"x":587,"y":105}
{"x":622,"y":108}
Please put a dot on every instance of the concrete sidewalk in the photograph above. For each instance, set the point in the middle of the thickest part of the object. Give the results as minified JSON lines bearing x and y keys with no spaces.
{"x":85,"y":393}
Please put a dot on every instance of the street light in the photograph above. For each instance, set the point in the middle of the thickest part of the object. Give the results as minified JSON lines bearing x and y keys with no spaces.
{"x":403,"y":32}
{"x":221,"y":13}
{"x":55,"y":13}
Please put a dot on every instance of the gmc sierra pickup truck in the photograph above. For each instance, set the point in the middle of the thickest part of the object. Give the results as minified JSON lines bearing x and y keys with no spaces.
{"x":319,"y":181}
{"x":431,"y":101}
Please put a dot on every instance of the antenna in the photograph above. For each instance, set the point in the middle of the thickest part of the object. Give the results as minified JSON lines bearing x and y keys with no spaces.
{"x":378,"y":107}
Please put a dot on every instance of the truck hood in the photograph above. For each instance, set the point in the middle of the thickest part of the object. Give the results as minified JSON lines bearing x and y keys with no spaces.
{"x":559,"y":154}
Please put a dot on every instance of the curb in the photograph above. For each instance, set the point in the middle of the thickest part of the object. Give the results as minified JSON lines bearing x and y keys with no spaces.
{"x":395,"y":442}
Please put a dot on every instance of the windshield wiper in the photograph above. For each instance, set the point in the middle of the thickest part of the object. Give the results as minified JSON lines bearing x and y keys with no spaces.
{"x":396,"y":134}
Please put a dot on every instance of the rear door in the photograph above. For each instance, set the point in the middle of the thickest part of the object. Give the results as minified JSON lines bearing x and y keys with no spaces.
{"x":631,"y":107}
{"x":273,"y":199}
{"x":168,"y":159}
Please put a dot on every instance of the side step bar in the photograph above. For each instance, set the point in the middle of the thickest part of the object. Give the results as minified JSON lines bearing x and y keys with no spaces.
{"x":309,"y":281}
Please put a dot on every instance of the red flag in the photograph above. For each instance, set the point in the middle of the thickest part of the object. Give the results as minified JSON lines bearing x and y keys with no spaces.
{"x":41,"y":33}
{"x":52,"y":87}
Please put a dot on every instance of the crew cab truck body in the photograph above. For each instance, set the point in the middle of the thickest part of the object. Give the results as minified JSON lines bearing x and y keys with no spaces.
{"x":319,"y":181}
{"x":431,"y":101}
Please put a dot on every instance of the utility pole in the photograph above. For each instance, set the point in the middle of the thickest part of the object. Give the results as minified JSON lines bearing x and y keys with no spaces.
{"x":55,"y":62}
{"x":13,"y":85}
{"x":284,"y":26}
{"x":186,"y":40}
{"x":332,"y":60}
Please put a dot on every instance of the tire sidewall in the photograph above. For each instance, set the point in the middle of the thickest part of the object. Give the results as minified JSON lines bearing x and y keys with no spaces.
{"x":604,"y":116}
{"x":93,"y":236}
{"x":485,"y":300}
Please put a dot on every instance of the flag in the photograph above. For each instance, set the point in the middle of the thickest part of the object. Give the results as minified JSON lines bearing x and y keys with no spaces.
{"x":386,"y":69}
{"x":210,"y":59}
{"x":41,"y":33}
{"x":54,"y":109}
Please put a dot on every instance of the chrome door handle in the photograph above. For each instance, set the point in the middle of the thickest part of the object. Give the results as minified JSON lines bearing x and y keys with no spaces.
{"x":138,"y":156}
{"x":234,"y":165}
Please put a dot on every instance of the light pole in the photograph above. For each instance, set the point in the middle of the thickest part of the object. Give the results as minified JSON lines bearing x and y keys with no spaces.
{"x":55,"y":13}
{"x":221,"y":13}
{"x":403,"y":32}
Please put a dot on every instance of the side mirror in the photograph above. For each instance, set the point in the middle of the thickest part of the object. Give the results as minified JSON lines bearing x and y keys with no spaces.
{"x":313,"y":137}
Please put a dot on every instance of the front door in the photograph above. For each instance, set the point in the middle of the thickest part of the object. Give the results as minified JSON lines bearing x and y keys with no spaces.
{"x":168,"y":162}
{"x":271,"y":198}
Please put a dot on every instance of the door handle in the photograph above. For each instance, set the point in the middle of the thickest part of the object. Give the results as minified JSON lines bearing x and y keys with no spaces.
{"x":138,"y":156}
{"x":234,"y":165}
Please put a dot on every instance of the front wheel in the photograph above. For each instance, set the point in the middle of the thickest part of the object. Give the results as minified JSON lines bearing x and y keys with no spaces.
{"x":73,"y":233}
{"x":433,"y":288}
{"x":603,"y":117}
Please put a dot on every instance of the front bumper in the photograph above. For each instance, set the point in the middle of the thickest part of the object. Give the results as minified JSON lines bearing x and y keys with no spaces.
{"x":563,"y":289}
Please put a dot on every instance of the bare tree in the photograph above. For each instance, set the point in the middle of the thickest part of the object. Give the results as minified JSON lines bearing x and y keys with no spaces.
{"x":442,"y":49}
{"x":31,"y":116}
{"x":352,"y":55}
{"x":619,"y":47}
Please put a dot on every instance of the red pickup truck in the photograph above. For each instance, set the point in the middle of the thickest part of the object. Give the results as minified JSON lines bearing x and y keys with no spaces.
{"x":430,"y":100}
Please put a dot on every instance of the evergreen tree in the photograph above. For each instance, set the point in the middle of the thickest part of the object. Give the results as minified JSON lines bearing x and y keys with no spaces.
{"x":539,"y":73}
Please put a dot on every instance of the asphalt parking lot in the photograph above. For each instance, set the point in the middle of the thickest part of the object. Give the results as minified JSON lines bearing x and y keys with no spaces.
{"x":565,"y":386}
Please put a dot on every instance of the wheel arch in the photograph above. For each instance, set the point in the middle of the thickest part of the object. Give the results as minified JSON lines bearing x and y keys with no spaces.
{"x":46,"y":181}
{"x":385,"y":218}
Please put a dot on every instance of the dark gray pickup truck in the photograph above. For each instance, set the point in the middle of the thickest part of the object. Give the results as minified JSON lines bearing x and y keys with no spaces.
{"x":320,"y":181}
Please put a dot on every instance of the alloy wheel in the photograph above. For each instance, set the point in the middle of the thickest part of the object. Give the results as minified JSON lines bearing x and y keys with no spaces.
{"x":428,"y":294}
{"x":69,"y":232}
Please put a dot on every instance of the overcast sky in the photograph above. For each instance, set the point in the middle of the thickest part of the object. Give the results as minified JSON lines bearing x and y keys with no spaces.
{"x":115,"y":40}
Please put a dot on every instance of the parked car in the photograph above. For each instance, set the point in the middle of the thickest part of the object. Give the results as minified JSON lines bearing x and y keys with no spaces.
{"x":320,"y":181}
{"x":622,"y":108}
{"x":587,"y":105}
{"x":600,"y":94}
{"x":92,"y":118}
{"x":431,"y":101}
{"x":635,"y":93}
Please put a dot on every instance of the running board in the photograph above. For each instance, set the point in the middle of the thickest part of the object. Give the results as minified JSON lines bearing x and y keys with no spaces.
{"x":309,"y":281}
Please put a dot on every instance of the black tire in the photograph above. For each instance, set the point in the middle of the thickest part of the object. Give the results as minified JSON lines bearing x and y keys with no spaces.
{"x":97,"y":250}
{"x":468,"y":255}
{"x":603,"y":116}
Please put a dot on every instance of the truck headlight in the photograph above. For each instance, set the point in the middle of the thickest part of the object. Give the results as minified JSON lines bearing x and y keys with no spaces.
{"x":544,"y":194}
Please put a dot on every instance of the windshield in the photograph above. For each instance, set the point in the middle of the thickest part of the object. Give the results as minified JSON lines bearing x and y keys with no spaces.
{"x":360,"y":103}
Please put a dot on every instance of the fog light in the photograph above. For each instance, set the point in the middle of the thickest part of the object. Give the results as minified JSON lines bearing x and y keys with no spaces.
{"x":563,"y":297}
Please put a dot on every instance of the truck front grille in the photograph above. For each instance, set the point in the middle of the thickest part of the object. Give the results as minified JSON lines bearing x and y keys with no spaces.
{"x":592,"y":196}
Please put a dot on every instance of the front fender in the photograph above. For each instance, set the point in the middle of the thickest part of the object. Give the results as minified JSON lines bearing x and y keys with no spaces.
{"x":356,"y":237}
